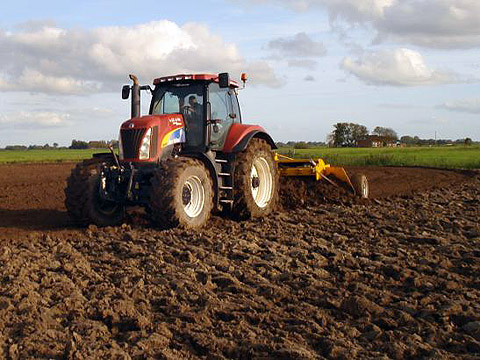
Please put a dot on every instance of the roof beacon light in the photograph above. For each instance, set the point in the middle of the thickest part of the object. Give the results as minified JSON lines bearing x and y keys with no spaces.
{"x":244,"y":79}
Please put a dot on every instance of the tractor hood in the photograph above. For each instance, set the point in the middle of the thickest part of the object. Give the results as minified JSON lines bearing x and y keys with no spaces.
{"x":151,"y":137}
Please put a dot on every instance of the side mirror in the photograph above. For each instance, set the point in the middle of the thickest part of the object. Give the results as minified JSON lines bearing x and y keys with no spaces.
{"x":224,"y":80}
{"x":125,"y":92}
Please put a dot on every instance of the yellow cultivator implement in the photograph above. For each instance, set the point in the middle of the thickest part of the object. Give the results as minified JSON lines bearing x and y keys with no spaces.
{"x":319,"y":170}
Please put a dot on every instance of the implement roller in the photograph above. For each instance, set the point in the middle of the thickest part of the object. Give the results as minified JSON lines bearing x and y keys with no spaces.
{"x":318,"y":169}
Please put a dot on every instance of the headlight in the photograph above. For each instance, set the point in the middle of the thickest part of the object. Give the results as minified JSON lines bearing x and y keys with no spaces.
{"x":145,"y":145}
{"x":120,"y":146}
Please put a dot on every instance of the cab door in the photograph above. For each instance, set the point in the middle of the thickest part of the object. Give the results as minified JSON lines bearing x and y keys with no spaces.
{"x":222,"y":115}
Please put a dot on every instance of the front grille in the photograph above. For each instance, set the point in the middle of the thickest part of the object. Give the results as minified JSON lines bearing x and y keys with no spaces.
{"x":131,"y":139}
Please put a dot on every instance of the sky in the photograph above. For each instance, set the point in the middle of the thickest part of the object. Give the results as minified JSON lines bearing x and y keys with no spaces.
{"x":411,"y":65}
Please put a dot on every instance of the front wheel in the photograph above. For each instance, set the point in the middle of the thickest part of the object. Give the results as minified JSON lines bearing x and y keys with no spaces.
{"x":83,"y":196}
{"x":182,"y":194}
{"x":255,"y":180}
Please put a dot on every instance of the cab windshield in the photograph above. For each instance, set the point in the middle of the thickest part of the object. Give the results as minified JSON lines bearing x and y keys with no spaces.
{"x":174,"y":98}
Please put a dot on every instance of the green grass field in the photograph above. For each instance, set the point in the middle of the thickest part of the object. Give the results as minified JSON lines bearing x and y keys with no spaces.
{"x":460,"y":156}
{"x":466,"y":157}
{"x":28,"y":156}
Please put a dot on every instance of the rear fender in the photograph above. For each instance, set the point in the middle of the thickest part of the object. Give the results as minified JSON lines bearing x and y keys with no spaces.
{"x":240,"y":135}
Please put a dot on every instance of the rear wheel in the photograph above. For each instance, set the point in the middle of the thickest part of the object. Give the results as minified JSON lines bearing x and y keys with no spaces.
{"x":182,"y":194}
{"x":256,"y":181}
{"x":360,"y":185}
{"x":83,"y":199}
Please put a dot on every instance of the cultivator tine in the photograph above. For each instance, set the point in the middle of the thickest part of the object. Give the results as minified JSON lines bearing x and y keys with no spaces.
{"x":330,"y":181}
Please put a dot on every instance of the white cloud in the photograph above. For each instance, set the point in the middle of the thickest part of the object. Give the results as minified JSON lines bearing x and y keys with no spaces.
{"x":398,"y":67}
{"x":35,"y":81}
{"x":93,"y":112}
{"x":428,"y":23}
{"x":303,"y":63}
{"x":352,"y":9}
{"x":301,"y":45}
{"x":471,"y":105}
{"x":49,"y":59}
{"x":432,"y":23}
{"x":36,"y":120}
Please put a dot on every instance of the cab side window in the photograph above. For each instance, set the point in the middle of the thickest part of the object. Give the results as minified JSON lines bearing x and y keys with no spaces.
{"x":235,"y":107}
{"x":219,"y":102}
{"x":221,"y":107}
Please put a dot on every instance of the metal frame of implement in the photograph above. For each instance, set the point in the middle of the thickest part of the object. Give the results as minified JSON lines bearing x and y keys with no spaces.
{"x":308,"y":167}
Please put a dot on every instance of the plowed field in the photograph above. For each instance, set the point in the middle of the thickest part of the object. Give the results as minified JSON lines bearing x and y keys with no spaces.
{"x":327,"y":276}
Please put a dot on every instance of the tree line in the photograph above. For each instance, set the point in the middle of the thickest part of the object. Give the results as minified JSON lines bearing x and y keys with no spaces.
{"x":349,"y":134}
{"x":76,"y":144}
{"x":98,"y":144}
{"x":343,"y":135}
{"x":415,"y":140}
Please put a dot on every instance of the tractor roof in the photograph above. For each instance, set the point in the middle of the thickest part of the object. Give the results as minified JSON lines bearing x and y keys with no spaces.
{"x":197,"y":77}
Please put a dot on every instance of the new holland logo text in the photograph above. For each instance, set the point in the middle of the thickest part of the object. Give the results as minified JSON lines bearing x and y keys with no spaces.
{"x":175,"y":121}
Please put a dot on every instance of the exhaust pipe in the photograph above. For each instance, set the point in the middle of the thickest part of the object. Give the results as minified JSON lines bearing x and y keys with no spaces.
{"x":135,"y":112}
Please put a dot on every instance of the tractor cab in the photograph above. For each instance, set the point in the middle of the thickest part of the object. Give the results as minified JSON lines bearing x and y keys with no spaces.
{"x":209,"y":108}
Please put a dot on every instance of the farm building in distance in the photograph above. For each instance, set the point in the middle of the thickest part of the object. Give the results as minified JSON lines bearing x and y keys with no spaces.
{"x":375,"y":141}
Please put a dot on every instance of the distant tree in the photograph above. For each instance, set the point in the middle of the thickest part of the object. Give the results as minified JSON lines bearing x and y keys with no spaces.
{"x":55,"y":145}
{"x":468,"y":141}
{"x":15,"y":147}
{"x":387,"y":133}
{"x":35,"y":147}
{"x":100,"y":144}
{"x":280,"y":144}
{"x":301,"y":145}
{"x":78,"y":144}
{"x":340,"y":134}
{"x":347,"y":134}
{"x":408,"y":140}
{"x":315,"y":143}
{"x":358,"y":132}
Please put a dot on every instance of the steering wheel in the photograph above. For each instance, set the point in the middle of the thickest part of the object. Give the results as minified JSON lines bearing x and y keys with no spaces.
{"x":187,"y":109}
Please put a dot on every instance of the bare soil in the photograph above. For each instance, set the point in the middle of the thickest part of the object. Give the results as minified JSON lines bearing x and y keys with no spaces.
{"x":327,"y":276}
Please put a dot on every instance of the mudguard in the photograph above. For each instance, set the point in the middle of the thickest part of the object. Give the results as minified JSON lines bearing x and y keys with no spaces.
{"x":240,"y":135}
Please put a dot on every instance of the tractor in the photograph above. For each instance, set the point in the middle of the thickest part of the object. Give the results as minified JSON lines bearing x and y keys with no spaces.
{"x":189,"y":157}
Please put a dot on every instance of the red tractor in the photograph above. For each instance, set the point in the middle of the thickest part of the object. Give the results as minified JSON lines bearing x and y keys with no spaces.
{"x":189,"y":156}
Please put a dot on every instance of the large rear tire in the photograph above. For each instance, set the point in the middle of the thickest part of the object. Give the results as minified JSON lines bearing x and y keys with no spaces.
{"x":82,"y":197}
{"x":182,"y":194}
{"x":256,"y":181}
